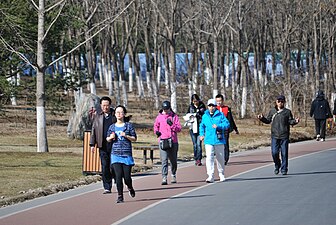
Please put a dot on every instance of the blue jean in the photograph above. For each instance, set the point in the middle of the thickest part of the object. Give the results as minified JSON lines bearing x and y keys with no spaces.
{"x":195,"y":138}
{"x":277,"y":146}
{"x":170,"y":154}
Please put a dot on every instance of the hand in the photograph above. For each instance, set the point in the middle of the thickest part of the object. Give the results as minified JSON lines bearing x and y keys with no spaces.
{"x":297,"y":119}
{"x":214,"y":126}
{"x":158,"y":133}
{"x":201,"y":138}
{"x":111,"y":137}
{"x":237,"y":132}
{"x":169,"y":122}
{"x":92,"y":149}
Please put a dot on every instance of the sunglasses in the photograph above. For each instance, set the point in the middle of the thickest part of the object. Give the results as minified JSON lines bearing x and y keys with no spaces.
{"x":282,"y":101}
{"x":211,"y":105}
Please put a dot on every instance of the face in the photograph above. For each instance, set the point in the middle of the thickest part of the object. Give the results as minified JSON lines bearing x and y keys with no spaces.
{"x":119,"y":113}
{"x":220,"y":101}
{"x":212,"y":108}
{"x":280,"y":104}
{"x":105,"y":106}
{"x":195,"y":102}
{"x":166,"y":111}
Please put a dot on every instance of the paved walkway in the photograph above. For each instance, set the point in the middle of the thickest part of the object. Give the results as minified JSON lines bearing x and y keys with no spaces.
{"x":87,"y":205}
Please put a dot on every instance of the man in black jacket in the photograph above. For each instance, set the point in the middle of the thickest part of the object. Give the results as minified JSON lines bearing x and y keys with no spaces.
{"x":228,"y":114}
{"x":281,"y":119}
{"x":320,"y":110}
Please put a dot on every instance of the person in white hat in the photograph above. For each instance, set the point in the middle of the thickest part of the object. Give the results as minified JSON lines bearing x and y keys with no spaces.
{"x":211,"y":129}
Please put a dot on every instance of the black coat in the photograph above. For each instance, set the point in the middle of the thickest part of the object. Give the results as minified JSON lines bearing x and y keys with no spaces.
{"x":320,"y":108}
{"x":281,"y":121}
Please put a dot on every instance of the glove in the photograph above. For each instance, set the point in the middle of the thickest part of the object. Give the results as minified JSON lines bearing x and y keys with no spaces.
{"x":169,"y":122}
{"x":158,"y":133}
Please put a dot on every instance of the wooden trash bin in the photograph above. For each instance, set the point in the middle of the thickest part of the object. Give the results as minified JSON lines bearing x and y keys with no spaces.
{"x":91,"y":161}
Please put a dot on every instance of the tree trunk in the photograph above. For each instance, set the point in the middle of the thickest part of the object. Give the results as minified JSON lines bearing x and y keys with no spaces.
{"x":41,"y":128}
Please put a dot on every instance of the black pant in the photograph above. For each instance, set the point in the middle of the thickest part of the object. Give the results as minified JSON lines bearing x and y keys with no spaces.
{"x":122,"y":171}
{"x":226,"y":147}
{"x":105,"y":158}
{"x":320,"y":127}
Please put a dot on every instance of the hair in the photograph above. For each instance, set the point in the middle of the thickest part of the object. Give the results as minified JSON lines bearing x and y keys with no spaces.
{"x":126,"y":118}
{"x":220,"y":96}
{"x":195,"y":97}
{"x":105,"y":98}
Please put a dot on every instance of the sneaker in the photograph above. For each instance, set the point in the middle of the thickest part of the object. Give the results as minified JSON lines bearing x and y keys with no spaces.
{"x":209,"y":180}
{"x":164,"y":181}
{"x":200,"y":164}
{"x":225,"y":163}
{"x":284,"y":173}
{"x":106,"y":191}
{"x":221,"y":178}
{"x":132,"y":193}
{"x":318,"y":137}
{"x":173,"y":181}
{"x":322,"y":139}
{"x":276,"y":171}
{"x":120,"y":199}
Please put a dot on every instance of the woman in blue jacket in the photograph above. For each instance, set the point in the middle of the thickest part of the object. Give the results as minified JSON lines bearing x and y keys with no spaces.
{"x":211,"y":129}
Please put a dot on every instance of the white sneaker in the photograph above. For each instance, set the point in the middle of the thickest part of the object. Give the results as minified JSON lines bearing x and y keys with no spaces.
{"x":209,"y":180}
{"x":318,"y":137}
{"x":173,"y":180}
{"x":221,"y":178}
{"x":322,"y":139}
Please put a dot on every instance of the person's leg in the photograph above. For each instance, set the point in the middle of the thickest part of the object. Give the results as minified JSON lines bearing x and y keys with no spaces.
{"x":194,"y":142}
{"x":323,"y":124}
{"x":209,"y":151}
{"x":275,"y":147}
{"x":127,"y":170}
{"x":226,"y":148}
{"x":284,"y":155}
{"x":199,"y":149}
{"x":118,"y":170}
{"x":164,"y":164}
{"x":219,"y":151}
{"x":172,"y":155}
{"x":317,"y":129}
{"x":105,"y":159}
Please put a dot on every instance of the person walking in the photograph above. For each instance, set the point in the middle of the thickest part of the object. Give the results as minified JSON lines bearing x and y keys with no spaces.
{"x":228,"y":114}
{"x":166,"y":127}
{"x":121,"y":135}
{"x":320,"y":111}
{"x":194,"y":116}
{"x":101,"y":123}
{"x":281,"y":119}
{"x":212,"y":128}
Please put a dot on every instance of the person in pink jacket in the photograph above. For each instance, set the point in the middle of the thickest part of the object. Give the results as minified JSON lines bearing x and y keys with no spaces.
{"x":166,"y":127}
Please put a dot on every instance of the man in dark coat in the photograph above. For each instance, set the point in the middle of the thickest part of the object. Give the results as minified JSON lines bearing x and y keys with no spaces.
{"x":101,"y":124}
{"x":228,"y":114}
{"x":281,"y":119}
{"x":320,"y":110}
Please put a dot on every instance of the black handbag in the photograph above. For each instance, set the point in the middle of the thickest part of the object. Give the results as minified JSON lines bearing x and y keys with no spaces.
{"x":166,"y":144}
